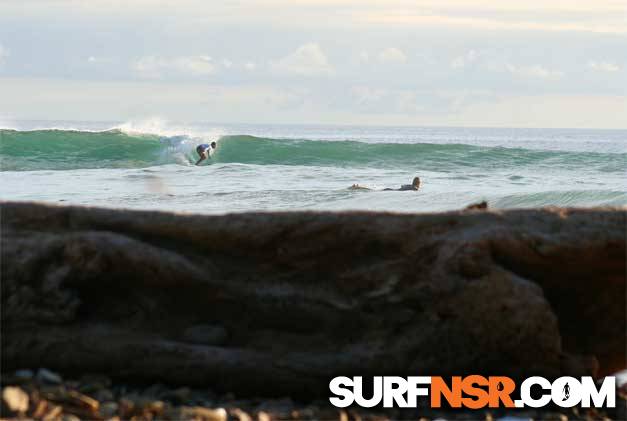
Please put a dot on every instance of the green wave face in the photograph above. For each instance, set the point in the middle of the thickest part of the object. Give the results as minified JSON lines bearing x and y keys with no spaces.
{"x":62,"y":150}
{"x":427,"y":156}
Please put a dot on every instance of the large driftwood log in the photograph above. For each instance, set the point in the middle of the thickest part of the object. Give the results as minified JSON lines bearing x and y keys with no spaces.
{"x":279,"y":303}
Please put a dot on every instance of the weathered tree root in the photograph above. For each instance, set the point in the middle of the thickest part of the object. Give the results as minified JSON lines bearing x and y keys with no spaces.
{"x":278,"y":303}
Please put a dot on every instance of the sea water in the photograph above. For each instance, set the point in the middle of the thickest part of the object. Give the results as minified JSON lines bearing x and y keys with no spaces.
{"x":150,"y":165}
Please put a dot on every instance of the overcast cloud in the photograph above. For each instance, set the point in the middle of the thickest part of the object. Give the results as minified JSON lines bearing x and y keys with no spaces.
{"x":447,"y":62}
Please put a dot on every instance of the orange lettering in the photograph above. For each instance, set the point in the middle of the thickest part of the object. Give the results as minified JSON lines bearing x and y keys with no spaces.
{"x":453,"y":395}
{"x":500,"y":389}
{"x":480,"y":395}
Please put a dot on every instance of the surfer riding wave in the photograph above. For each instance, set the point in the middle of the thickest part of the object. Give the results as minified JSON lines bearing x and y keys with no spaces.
{"x":205,"y":151}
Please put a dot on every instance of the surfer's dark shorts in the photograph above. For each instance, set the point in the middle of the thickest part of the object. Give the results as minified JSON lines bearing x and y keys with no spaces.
{"x":201,"y":149}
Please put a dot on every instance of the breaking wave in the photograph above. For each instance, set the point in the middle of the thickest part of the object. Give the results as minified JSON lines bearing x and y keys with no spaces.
{"x":74,"y":149}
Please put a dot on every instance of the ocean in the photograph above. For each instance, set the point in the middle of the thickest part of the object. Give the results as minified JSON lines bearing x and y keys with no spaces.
{"x":150,"y":165}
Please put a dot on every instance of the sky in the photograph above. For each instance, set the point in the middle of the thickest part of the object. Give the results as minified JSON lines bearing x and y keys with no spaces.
{"x":500,"y":63}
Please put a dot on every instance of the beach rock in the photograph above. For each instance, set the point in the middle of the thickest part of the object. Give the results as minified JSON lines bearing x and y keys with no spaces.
{"x":108,"y":409}
{"x":47,"y":376}
{"x":483,"y":205}
{"x":40,"y":409}
{"x":83,"y":401}
{"x":14,"y":401}
{"x":239,"y":415}
{"x":53,"y":413}
{"x":263,"y":416}
{"x":203,"y":414}
{"x":23,"y":374}
{"x":307,"y":296}
{"x":127,"y":408}
{"x":19,"y":377}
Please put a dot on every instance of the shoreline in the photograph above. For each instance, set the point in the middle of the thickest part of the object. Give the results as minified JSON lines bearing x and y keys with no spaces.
{"x":33,"y":395}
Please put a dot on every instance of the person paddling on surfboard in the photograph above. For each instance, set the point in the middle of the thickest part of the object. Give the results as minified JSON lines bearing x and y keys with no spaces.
{"x":415,"y":185}
{"x":205,"y":151}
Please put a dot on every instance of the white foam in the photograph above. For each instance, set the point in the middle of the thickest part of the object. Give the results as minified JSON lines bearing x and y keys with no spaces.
{"x":151,"y":125}
{"x":161,"y":127}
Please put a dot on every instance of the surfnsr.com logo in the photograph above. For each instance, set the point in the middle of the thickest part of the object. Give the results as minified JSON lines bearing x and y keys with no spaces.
{"x":472,"y":392}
